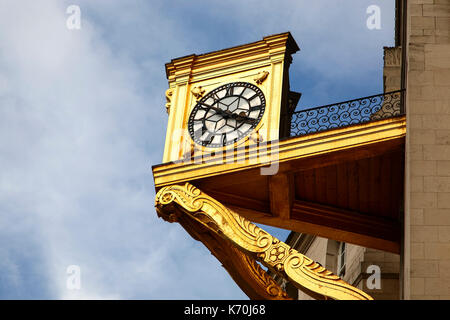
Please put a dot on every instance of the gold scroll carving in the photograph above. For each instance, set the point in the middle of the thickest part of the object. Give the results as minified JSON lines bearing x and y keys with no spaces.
{"x":245,"y":271}
{"x":192,"y":208}
{"x":169,"y":93}
{"x":261,"y":76}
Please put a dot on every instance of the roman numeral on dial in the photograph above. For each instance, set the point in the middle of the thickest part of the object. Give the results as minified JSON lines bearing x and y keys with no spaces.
{"x":230,"y":90}
{"x":208,"y":138}
{"x":203,"y":106}
{"x":200,"y":132}
{"x":215,"y":97}
{"x":253,"y":97}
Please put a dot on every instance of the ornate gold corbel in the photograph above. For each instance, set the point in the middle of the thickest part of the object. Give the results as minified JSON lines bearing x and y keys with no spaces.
{"x":169,"y":93}
{"x":198,"y":92}
{"x":245,"y":271}
{"x":184,"y":203}
{"x":261,"y":76}
{"x":256,"y":137}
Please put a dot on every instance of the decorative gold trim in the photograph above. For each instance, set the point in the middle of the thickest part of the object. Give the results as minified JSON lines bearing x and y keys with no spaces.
{"x":243,"y":62}
{"x":245,"y":271}
{"x":261,"y":76}
{"x":255,"y":137}
{"x":172,"y":202}
{"x":198,"y":92}
{"x":169,"y":93}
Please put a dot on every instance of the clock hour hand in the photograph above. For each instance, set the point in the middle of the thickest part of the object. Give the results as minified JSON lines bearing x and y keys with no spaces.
{"x":242,"y":117}
{"x":217,"y":110}
{"x":246,"y":120}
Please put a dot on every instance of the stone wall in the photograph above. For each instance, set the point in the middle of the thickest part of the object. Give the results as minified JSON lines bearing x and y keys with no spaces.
{"x":392,"y":68}
{"x":427,"y":174}
{"x":389,"y":264}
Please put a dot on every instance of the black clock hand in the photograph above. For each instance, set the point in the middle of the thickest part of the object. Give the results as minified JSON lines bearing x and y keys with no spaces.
{"x":242,"y":117}
{"x":246,"y":120}
{"x":218,"y":110}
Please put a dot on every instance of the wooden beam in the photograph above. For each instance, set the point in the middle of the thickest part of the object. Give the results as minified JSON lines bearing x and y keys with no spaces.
{"x":344,"y":155}
{"x":281,"y":191}
{"x":303,"y":164}
{"x":321,"y":220}
{"x":340,"y":225}
{"x":346,"y":220}
{"x":262,"y":207}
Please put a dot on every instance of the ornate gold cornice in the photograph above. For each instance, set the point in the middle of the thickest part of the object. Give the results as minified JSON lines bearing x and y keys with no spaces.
{"x":177,"y":202}
{"x":260,"y":155}
{"x":278,"y":46}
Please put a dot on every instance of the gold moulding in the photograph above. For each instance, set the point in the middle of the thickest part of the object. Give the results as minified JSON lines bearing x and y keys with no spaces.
{"x":184,"y":203}
{"x":261,"y":76}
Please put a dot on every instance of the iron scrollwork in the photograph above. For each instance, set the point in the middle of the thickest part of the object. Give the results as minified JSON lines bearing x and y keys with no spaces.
{"x":338,"y":115}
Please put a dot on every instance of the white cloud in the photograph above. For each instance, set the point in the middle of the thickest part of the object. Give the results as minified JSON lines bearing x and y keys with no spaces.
{"x":78,"y":140}
{"x":82,"y":119}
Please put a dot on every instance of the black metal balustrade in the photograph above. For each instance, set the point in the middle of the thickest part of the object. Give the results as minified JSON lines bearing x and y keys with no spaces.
{"x":347,"y":113}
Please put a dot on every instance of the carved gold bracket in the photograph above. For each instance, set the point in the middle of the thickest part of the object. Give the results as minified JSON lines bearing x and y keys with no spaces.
{"x":237,"y":241}
{"x":244,"y":270}
{"x":169,"y":93}
{"x":261,"y":76}
{"x":198,"y":92}
{"x":256,"y":137}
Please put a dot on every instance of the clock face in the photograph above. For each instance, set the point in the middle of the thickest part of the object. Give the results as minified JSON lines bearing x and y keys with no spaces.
{"x":226,"y":114}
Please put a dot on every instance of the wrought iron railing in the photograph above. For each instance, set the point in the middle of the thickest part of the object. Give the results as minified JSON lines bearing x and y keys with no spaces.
{"x":347,"y":113}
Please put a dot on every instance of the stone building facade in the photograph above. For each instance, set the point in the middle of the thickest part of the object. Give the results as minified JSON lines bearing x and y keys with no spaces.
{"x":373,"y":271}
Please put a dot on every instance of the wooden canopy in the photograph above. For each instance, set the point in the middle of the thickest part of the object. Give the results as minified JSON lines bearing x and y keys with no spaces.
{"x":344,"y":184}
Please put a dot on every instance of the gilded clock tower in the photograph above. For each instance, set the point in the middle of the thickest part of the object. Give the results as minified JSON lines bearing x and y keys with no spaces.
{"x":226,"y":163}
{"x":228,"y":98}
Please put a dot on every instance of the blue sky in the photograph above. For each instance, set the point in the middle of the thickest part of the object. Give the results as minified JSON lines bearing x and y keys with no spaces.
{"x":82,"y":120}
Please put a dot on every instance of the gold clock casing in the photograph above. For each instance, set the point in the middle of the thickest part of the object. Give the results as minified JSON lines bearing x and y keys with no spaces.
{"x":263,"y":63}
